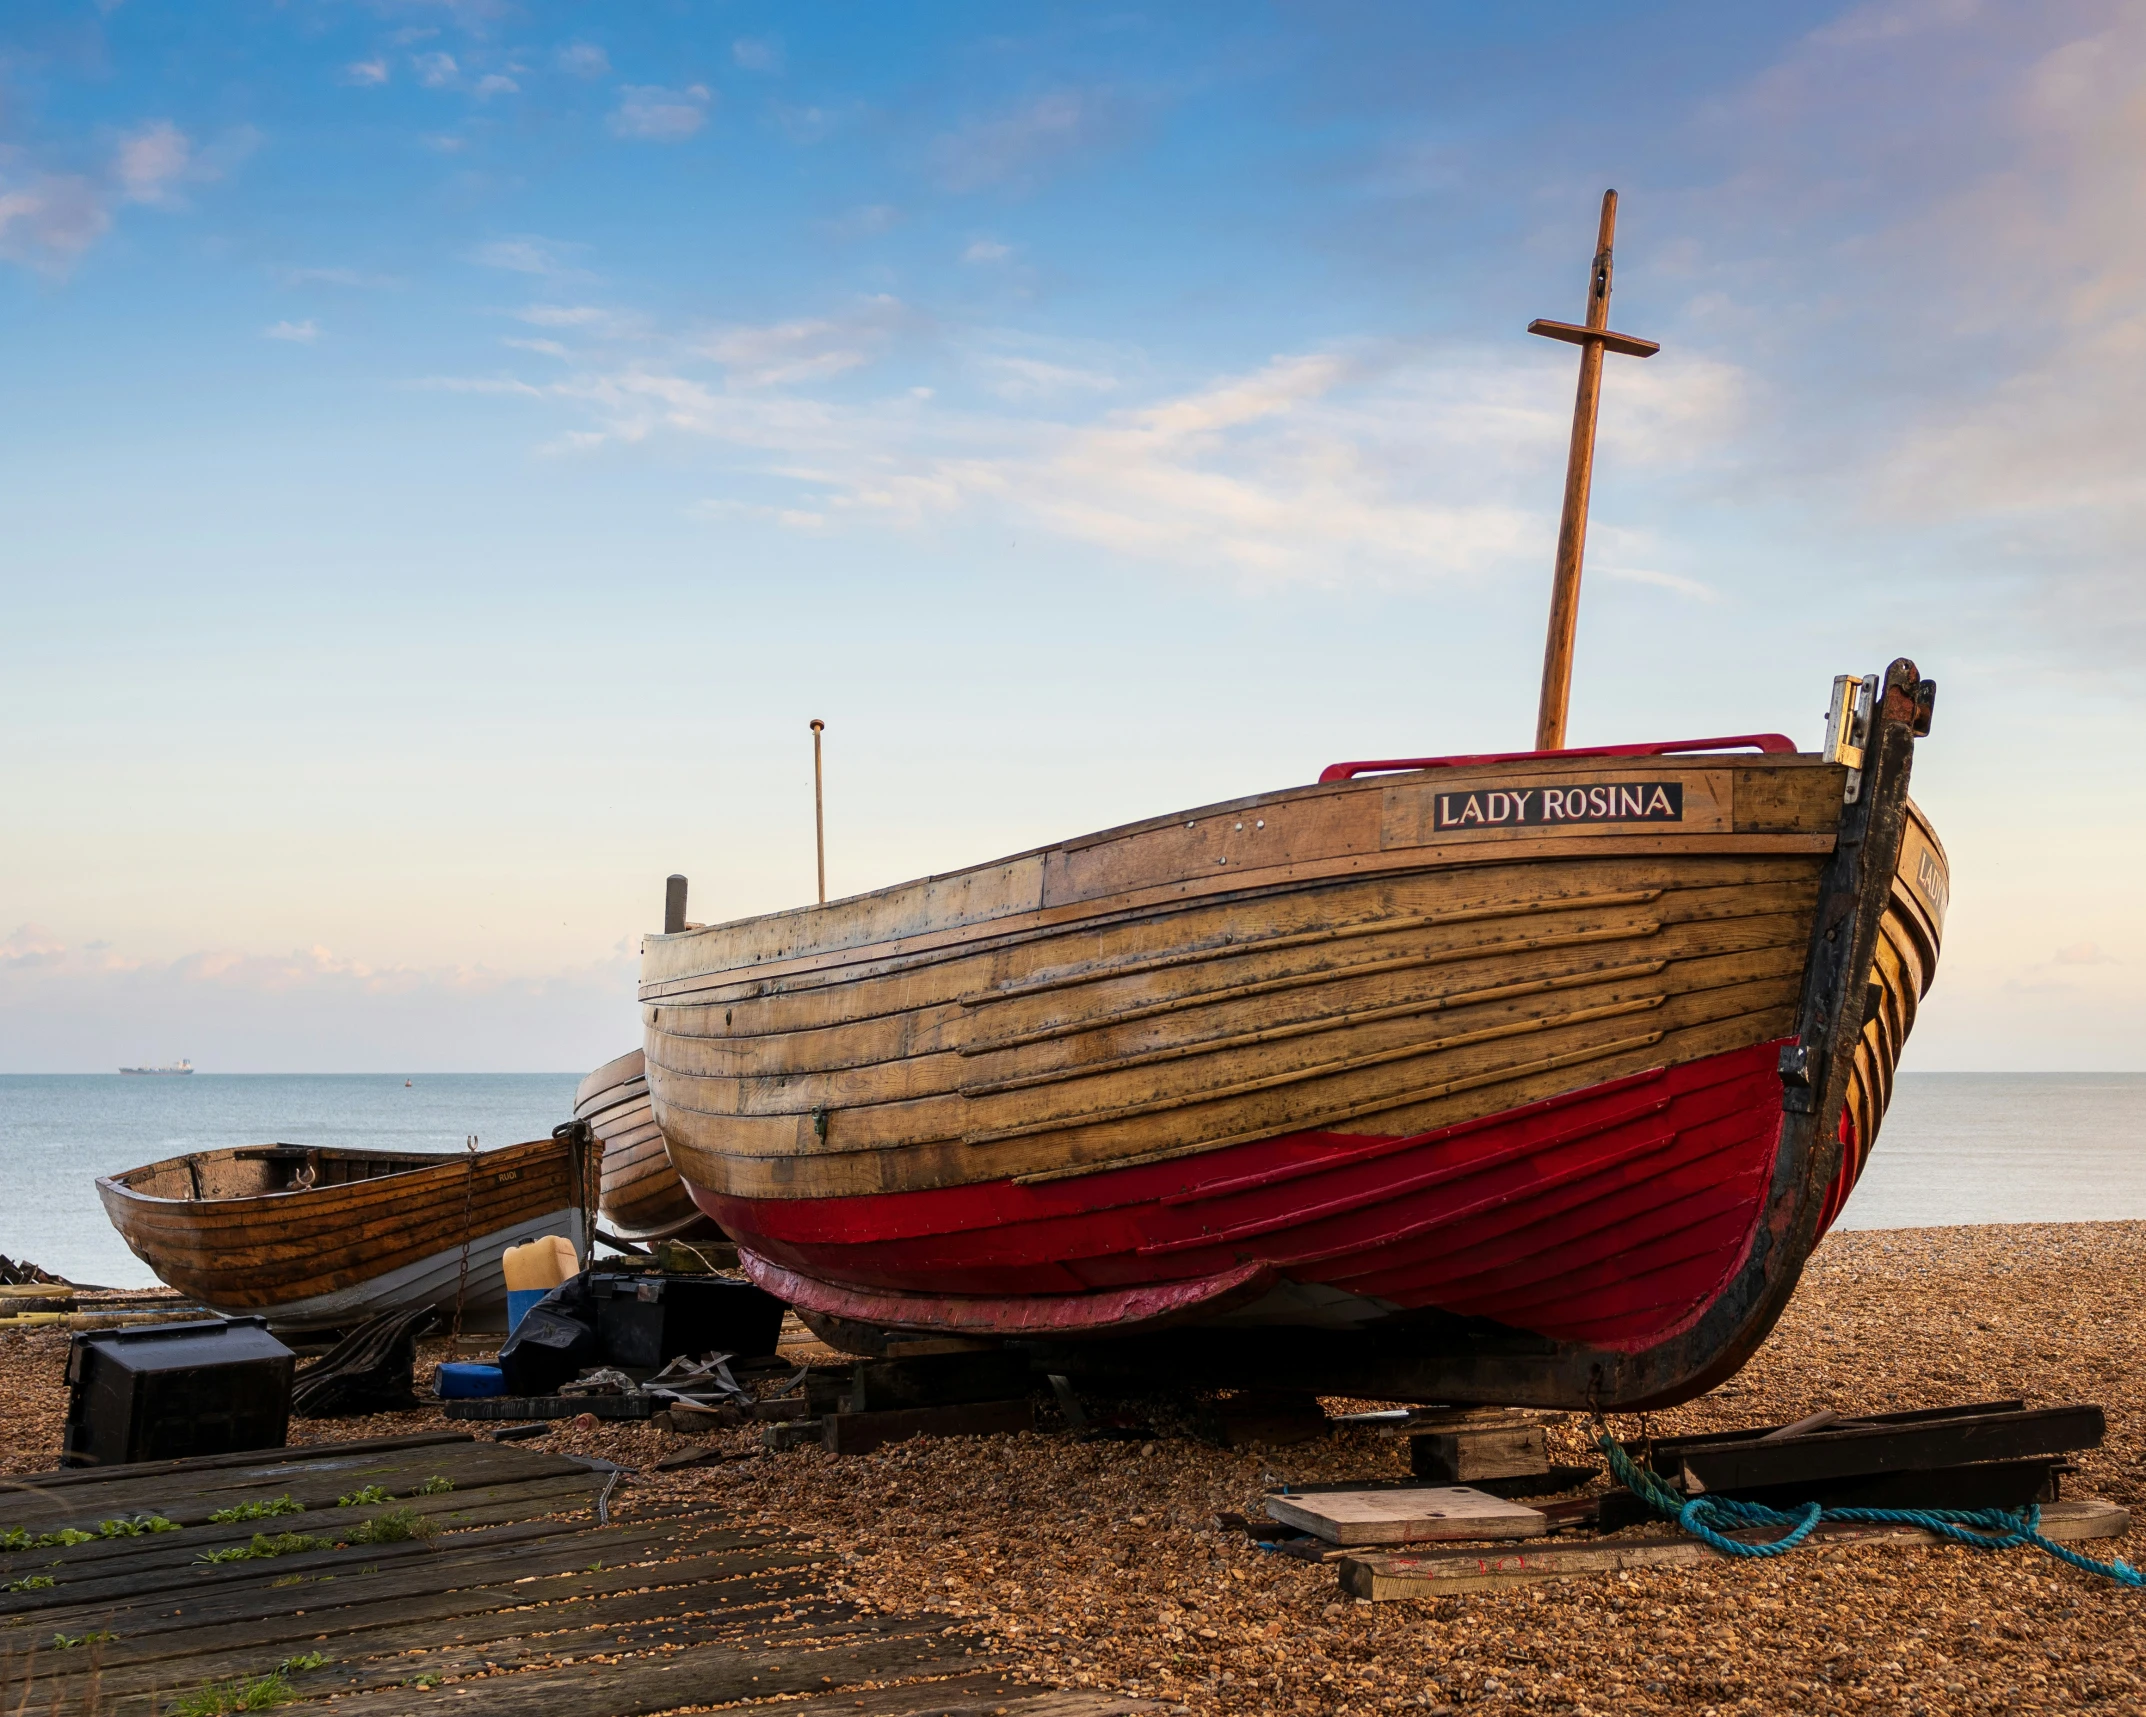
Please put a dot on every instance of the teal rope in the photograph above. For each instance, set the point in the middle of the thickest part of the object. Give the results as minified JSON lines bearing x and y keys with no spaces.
{"x":1709,"y":1518}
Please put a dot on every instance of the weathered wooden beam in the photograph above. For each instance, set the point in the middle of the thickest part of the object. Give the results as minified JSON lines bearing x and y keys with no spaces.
{"x":1415,"y":1575}
{"x":502,"y":1639}
{"x":475,"y":1565}
{"x":707,"y":1676}
{"x":63,"y":1477}
{"x":1850,"y":1451}
{"x":460,"y":1460}
{"x":722,"y":1578}
{"x":860,"y":1433}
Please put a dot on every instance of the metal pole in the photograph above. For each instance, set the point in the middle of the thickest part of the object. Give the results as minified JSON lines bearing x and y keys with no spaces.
{"x":1579,"y":476}
{"x":819,"y":807}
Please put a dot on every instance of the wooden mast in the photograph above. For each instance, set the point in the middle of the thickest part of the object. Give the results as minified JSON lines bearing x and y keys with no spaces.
{"x":1593,"y":338}
{"x":819,"y":808}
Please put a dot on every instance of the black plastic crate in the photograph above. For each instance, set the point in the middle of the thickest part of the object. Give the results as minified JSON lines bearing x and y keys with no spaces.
{"x":162,"y":1392}
{"x":644,"y":1320}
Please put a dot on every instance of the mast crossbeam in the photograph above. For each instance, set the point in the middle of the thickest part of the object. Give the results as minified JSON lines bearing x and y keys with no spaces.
{"x":1630,"y":345}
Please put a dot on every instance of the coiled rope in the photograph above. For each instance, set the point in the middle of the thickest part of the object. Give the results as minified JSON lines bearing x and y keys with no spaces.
{"x":1710,"y":1518}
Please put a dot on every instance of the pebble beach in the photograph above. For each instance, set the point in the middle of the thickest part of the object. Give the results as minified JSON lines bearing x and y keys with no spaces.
{"x":1105,"y":1565}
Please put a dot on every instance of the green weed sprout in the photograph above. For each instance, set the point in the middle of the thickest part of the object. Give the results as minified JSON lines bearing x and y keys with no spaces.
{"x":397,"y":1526}
{"x":220,"y":1698}
{"x":256,"y":1510}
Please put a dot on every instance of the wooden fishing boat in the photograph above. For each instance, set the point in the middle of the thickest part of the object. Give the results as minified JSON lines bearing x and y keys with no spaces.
{"x":317,"y":1238}
{"x":643,"y":1198}
{"x":1529,"y":1078}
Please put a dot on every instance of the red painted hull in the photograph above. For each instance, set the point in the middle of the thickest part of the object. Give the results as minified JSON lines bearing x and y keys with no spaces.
{"x":1613,"y":1216}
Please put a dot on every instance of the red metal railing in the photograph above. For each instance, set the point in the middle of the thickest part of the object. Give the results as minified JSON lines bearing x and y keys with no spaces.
{"x":1770,"y":742}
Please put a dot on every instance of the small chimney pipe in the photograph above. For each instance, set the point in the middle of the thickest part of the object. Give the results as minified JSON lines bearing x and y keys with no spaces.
{"x":674,"y":905}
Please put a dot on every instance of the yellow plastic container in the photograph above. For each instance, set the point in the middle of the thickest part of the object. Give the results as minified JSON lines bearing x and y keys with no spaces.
{"x":543,"y":1263}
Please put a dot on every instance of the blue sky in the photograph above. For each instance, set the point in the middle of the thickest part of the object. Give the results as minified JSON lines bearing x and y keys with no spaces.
{"x":448,"y":451}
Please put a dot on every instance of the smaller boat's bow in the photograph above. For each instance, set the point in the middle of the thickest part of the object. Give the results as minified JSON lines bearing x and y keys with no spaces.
{"x":643,"y":1198}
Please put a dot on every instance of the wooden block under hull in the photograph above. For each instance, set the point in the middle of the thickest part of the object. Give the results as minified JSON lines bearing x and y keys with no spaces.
{"x":1407,"y":1514}
{"x":1468,"y":1453}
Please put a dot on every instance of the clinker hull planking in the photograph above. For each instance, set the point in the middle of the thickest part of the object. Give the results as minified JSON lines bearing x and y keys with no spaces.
{"x":642,"y":1198}
{"x":1530,"y":1080}
{"x":325,"y":1238}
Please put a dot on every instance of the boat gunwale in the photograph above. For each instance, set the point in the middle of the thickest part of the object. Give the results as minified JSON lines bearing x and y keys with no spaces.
{"x":1524,"y":768}
{"x":988,"y":936}
{"x":428,"y":1163}
{"x":1549,"y":763}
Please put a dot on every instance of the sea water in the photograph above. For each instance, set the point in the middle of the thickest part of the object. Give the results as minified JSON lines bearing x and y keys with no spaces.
{"x":2006,"y":1147}
{"x":1956,"y":1148}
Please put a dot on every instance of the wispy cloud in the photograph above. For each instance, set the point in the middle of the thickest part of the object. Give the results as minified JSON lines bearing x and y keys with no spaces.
{"x":302,"y":333}
{"x":809,"y":349}
{"x":1687,"y":587}
{"x":311,"y":1008}
{"x":527,"y":253}
{"x":1017,"y":376}
{"x":352,"y":277}
{"x":436,"y":70}
{"x":757,"y":53}
{"x":583,"y":60}
{"x":986,"y":250}
{"x":495,"y":83}
{"x":1997,"y":232}
{"x":1381,"y":463}
{"x":1013,"y":149}
{"x":30,"y":945}
{"x":48,"y":220}
{"x":649,"y":113}
{"x":589,"y":318}
{"x":867,"y":220}
{"x":151,"y":163}
{"x":366,"y":74}
{"x":804,"y":124}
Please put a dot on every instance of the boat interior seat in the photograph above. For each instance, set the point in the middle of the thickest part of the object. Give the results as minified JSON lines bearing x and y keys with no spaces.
{"x":258,"y":1171}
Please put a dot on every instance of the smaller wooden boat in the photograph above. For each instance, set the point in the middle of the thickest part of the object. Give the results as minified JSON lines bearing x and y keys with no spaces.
{"x":315,"y":1238}
{"x":643,"y":1198}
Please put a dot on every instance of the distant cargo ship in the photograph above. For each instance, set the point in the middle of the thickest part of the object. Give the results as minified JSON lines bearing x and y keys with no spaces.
{"x":180,"y":1066}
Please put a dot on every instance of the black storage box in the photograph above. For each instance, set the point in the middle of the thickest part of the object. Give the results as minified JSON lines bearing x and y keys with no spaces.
{"x":646,"y":1320}
{"x":161,"y":1392}
{"x":555,"y":1342}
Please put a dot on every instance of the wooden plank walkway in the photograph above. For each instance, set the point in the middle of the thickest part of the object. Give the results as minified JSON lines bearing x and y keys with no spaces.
{"x":510,"y":1594}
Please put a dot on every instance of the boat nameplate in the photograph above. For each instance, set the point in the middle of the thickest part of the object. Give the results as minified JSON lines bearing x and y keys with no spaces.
{"x":1927,"y":875}
{"x":1418,"y":813}
{"x":1545,"y":807}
